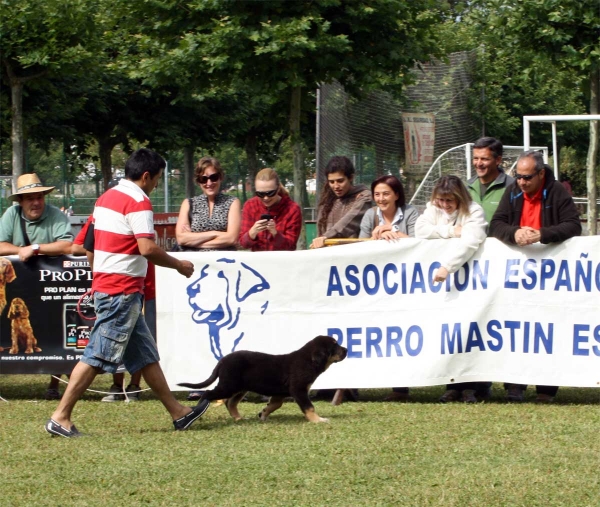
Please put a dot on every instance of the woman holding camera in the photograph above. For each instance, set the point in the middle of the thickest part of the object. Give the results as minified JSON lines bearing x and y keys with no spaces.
{"x":210,"y":221}
{"x":270,"y":220}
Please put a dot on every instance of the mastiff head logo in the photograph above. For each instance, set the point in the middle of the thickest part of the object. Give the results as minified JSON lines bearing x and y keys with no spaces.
{"x":223,"y":297}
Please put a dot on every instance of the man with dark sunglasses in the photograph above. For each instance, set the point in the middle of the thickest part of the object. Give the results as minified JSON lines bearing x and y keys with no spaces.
{"x":535,"y":209}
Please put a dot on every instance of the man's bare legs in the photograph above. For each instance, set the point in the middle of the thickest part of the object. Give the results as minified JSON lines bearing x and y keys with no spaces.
{"x":155,"y":378}
{"x":82,"y":376}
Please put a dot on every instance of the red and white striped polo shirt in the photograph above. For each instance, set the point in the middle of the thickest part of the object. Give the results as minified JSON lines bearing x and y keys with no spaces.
{"x":122,"y":214}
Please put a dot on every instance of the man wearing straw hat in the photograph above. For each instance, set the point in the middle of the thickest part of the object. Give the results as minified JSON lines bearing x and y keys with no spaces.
{"x":33,"y":228}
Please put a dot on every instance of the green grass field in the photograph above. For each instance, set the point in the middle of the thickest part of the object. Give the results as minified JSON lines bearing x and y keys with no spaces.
{"x":418,"y":453}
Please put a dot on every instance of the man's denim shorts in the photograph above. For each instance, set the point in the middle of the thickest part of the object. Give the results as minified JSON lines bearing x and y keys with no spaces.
{"x":120,"y":334}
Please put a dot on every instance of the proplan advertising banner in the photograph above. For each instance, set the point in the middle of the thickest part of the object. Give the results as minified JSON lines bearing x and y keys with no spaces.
{"x":41,"y":330}
{"x":522,"y":315}
{"x":419,"y":141}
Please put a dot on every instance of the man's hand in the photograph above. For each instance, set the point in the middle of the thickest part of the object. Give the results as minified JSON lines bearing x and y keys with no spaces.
{"x":185,"y":268}
{"x":25,"y":253}
{"x":527,"y":236}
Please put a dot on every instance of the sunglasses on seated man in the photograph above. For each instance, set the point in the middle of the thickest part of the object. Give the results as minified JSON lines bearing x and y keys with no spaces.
{"x":269,"y":193}
{"x":213,"y":177}
{"x":525,"y":177}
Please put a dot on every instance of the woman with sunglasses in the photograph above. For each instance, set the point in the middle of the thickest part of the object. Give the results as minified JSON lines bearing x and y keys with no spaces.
{"x":210,"y":221}
{"x":452,"y":213}
{"x":270,"y":220}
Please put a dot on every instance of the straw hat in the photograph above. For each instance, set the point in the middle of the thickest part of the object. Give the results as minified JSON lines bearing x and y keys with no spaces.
{"x":29,"y":184}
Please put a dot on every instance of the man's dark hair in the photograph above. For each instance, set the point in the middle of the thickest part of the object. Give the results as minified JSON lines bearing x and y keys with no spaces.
{"x":492,"y":143}
{"x":141,"y":161}
{"x":536,"y":156}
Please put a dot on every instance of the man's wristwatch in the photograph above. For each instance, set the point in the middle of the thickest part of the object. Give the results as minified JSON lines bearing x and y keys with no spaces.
{"x":35,"y":248}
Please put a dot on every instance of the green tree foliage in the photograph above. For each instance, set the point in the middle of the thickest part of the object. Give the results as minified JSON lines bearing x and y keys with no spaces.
{"x":568,"y":33}
{"x":41,"y":39}
{"x":279,"y":47}
{"x":509,"y":83}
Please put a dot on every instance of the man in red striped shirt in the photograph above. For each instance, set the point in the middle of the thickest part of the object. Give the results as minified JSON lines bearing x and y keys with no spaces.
{"x":123,"y":245}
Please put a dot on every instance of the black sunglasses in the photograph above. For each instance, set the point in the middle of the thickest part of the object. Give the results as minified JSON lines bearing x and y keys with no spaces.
{"x":525,"y":177}
{"x":269,"y":193}
{"x":213,"y":177}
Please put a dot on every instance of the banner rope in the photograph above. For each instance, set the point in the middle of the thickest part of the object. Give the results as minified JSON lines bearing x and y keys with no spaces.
{"x":103,"y":392}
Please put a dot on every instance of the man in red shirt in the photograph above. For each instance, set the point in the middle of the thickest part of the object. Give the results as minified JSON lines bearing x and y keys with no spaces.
{"x":534,"y":209}
{"x":123,"y":245}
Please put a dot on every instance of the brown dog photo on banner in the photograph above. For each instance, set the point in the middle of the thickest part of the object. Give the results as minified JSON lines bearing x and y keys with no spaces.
{"x":7,"y":275}
{"x":277,"y":376}
{"x":21,"y":332}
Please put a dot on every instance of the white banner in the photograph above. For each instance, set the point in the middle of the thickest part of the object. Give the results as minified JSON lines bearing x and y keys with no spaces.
{"x":522,"y":315}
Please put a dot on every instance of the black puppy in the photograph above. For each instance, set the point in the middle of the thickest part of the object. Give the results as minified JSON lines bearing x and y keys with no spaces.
{"x":277,"y":376}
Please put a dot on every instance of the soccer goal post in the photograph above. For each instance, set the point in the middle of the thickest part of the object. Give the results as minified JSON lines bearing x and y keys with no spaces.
{"x":590,"y":171}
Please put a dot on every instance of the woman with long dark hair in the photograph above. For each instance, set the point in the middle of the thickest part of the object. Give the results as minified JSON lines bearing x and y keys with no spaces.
{"x":342,"y":203}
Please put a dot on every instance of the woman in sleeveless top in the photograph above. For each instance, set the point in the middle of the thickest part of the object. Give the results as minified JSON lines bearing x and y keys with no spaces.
{"x":210,"y":221}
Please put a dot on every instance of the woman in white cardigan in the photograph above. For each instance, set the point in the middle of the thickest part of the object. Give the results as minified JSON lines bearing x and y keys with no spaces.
{"x":451,"y":213}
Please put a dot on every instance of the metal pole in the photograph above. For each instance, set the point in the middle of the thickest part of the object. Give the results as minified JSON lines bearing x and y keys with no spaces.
{"x":555,"y":150}
{"x":318,"y":132}
{"x":525,"y":134}
{"x":166,"y":175}
{"x":469,"y":159}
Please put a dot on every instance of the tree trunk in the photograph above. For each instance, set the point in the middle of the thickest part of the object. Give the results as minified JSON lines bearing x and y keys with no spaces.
{"x":252,"y":158}
{"x":592,"y":156}
{"x":188,"y":171}
{"x":16,"y":108}
{"x":16,"y":137}
{"x":299,"y":172}
{"x":105,"y":147}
